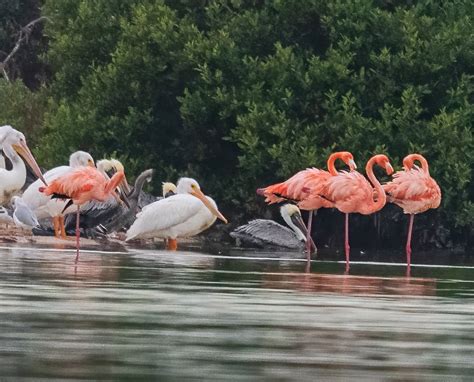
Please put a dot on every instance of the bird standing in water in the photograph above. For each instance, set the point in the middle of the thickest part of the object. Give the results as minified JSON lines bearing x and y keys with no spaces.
{"x":351,"y":192}
{"x":307,"y":188}
{"x":82,"y":185}
{"x":414,"y":190}
{"x":264,"y":233}
{"x":46,"y":207}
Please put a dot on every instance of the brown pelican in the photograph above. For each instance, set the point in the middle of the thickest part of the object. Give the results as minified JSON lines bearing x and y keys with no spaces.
{"x":267,"y":233}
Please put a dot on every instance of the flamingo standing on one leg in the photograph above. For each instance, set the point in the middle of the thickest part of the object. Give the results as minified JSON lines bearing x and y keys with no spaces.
{"x":81,"y":185}
{"x":307,"y":188}
{"x":351,"y":192}
{"x":44,"y":206}
{"x":414,"y":190}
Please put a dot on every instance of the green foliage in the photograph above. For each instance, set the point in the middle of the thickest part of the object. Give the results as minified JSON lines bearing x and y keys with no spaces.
{"x":25,"y":64}
{"x":243,"y":93}
{"x":23,"y":109}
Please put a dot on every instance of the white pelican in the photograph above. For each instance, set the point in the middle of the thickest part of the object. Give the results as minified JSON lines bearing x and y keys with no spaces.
{"x":11,"y":181}
{"x":44,"y":206}
{"x":183,"y":215}
{"x":108,"y":167}
{"x":268,"y":233}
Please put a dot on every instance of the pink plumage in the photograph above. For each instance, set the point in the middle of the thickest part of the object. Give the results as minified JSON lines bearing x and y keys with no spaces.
{"x":84,"y":184}
{"x":81,"y":185}
{"x":307,"y":188}
{"x":414,"y":190}
{"x":351,"y":192}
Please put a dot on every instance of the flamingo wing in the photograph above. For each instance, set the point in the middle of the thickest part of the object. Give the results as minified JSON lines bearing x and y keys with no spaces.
{"x":414,"y":190}
{"x":348,"y":191}
{"x":37,"y":200}
{"x":297,"y":187}
{"x":163,"y":215}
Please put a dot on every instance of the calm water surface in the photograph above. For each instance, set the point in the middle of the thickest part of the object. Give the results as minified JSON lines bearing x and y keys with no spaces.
{"x":152,"y":315}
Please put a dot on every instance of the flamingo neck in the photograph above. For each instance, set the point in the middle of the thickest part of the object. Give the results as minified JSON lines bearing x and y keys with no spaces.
{"x":381,"y":197}
{"x":410,"y":159}
{"x":113,"y":182}
{"x":331,"y":161}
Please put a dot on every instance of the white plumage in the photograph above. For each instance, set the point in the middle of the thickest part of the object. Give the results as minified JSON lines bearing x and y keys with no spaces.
{"x":183,"y":215}
{"x":13,"y":143}
{"x":177,"y":216}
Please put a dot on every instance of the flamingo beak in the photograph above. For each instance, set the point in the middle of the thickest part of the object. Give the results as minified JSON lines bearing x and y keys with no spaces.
{"x":199,"y":194}
{"x":22,"y":149}
{"x":91,"y":163}
{"x":352,"y":164}
{"x":388,"y":168}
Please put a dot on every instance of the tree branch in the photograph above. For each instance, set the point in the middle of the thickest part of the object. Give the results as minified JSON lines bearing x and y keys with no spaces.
{"x":23,"y":35}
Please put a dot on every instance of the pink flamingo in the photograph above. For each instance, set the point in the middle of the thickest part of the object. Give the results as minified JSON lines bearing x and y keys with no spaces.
{"x":352,"y":193}
{"x":82,"y":185}
{"x":414,"y":190}
{"x":307,"y":188}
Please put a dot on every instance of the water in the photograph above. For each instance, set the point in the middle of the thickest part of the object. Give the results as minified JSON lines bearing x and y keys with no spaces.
{"x":153,"y":315}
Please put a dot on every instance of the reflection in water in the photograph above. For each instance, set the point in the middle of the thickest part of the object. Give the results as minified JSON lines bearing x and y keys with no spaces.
{"x":346,"y":284}
{"x":194,"y":316}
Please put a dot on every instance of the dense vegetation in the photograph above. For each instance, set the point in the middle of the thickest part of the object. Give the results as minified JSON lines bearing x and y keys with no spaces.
{"x":242,"y":93}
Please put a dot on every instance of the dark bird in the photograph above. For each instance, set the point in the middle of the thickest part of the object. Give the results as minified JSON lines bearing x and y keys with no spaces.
{"x":264,"y":233}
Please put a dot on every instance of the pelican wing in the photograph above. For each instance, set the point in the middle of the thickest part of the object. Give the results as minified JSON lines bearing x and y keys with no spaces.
{"x":263,"y":232}
{"x":164,"y":214}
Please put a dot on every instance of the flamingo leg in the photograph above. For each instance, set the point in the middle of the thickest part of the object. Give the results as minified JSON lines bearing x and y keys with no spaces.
{"x":308,"y":236}
{"x":61,"y":227}
{"x":408,"y":246}
{"x":346,"y":244}
{"x":78,"y":233}
{"x":172,"y":245}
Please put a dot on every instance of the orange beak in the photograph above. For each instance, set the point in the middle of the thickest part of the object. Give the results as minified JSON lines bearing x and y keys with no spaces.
{"x":199,"y":194}
{"x":22,"y":149}
{"x":90,"y":163}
